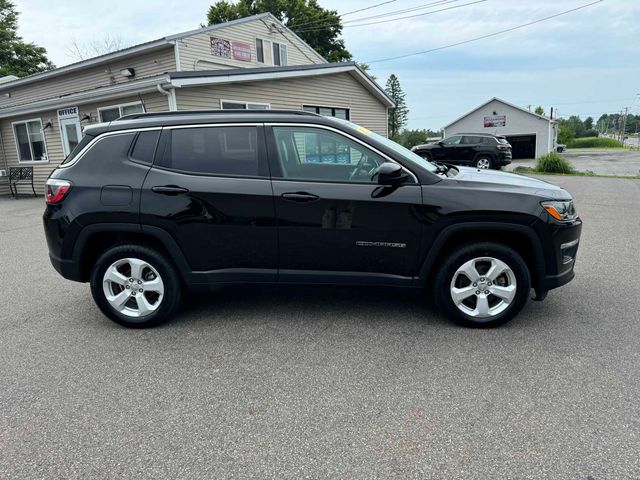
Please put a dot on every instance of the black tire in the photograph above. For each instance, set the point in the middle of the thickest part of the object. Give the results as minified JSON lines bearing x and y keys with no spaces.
{"x":172,"y":295}
{"x":483,"y":158}
{"x":455,"y":260}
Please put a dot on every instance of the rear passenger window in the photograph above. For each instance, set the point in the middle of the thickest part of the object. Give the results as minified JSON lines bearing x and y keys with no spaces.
{"x":145,"y":147}
{"x":213,"y":151}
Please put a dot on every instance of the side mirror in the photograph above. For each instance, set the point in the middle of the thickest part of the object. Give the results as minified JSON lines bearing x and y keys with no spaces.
{"x":391,"y":174}
{"x":441,"y":143}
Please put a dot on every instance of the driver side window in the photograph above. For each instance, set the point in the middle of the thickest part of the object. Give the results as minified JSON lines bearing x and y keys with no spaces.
{"x":315,"y":154}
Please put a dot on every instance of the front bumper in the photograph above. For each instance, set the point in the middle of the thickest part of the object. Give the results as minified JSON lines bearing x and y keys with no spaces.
{"x":561,"y":253}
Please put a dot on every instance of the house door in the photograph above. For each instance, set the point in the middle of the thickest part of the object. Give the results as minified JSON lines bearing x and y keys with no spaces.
{"x":70,"y":130}
{"x":71,"y":134}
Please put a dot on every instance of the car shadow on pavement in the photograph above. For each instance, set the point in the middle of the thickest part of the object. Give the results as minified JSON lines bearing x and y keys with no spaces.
{"x":311,"y":303}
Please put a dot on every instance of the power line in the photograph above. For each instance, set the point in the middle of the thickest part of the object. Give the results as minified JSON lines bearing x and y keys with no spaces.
{"x":328,"y":23}
{"x":396,"y":19}
{"x":366,"y":8}
{"x":484,"y":36}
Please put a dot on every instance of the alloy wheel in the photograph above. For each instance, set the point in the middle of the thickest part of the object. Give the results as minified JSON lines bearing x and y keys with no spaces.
{"x":133,"y":287}
{"x":483,"y":163}
{"x":483,"y":287}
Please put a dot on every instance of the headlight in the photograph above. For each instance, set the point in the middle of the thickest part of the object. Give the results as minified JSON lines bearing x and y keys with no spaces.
{"x":563,"y":211}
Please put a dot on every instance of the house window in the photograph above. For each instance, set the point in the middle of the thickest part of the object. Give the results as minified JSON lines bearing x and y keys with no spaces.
{"x":342,"y":113}
{"x":233,"y":105}
{"x":30,"y":141}
{"x":271,"y":53}
{"x":113,"y":112}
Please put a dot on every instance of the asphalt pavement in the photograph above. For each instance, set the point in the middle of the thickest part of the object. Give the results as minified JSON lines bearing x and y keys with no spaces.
{"x":326,"y":382}
{"x":623,"y":162}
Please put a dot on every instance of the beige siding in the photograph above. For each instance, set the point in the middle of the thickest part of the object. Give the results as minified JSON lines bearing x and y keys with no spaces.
{"x":147,"y":65}
{"x":154,"y":102}
{"x":195,"y":51}
{"x":334,"y":90}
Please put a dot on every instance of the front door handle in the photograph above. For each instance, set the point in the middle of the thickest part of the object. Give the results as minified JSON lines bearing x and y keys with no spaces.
{"x":169,"y":189}
{"x":300,"y":197}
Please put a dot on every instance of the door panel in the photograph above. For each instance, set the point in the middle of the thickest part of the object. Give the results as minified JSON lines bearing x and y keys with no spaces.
{"x":224,"y":224}
{"x":347,"y":228}
{"x":334,"y":221}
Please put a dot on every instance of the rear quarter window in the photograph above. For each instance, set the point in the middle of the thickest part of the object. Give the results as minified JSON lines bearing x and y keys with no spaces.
{"x":105,"y":152}
{"x":144,"y":147}
{"x":74,"y":153}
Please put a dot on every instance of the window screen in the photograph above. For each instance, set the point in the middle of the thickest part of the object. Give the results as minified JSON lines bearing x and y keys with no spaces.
{"x":213,"y":151}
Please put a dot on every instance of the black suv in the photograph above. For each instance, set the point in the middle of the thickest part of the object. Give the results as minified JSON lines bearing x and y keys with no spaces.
{"x":151,"y":205}
{"x":474,"y":149}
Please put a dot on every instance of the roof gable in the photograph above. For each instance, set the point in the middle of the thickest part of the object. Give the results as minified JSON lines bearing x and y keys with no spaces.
{"x":499,"y":100}
{"x":163,"y":42}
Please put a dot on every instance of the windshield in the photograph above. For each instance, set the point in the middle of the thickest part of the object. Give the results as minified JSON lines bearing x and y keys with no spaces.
{"x":405,"y":153}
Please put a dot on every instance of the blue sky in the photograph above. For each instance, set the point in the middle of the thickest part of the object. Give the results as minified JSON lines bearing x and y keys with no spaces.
{"x":586,"y":63}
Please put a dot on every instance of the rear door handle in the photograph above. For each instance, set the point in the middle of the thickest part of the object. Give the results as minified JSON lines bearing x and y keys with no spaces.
{"x":169,"y":189}
{"x":300,"y":197}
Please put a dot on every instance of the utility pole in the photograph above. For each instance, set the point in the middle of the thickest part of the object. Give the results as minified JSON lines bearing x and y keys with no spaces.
{"x":624,"y":124}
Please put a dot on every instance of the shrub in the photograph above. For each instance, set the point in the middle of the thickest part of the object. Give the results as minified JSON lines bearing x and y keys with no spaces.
{"x":594,"y":142}
{"x":553,"y":163}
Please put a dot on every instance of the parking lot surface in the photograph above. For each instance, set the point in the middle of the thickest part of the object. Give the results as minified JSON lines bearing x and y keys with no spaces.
{"x":326,"y":382}
{"x":601,"y":162}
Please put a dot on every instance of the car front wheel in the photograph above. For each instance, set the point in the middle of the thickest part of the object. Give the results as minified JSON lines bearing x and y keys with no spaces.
{"x":135,"y":286}
{"x":483,"y":285}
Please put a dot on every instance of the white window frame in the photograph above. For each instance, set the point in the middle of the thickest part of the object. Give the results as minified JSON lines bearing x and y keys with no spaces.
{"x":246,"y":104}
{"x":119,"y":106}
{"x":332,"y":107}
{"x":271,"y":43}
{"x":45,"y":158}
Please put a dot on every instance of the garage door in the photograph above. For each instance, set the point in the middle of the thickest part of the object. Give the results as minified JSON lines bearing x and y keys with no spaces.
{"x":524,"y":146}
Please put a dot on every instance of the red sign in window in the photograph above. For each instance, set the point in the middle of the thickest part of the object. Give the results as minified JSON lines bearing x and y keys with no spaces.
{"x":241,"y":51}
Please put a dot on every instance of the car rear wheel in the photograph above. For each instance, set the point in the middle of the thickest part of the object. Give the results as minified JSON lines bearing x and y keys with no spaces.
{"x":135,"y":286}
{"x":484,"y":163}
{"x":483,"y":285}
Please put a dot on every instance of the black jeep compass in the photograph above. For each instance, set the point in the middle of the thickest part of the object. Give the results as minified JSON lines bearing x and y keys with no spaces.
{"x":151,"y":205}
{"x":479,"y":150}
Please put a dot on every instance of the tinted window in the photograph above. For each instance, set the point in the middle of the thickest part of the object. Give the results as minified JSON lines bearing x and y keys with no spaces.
{"x":145,"y":147}
{"x":213,"y":151}
{"x":469,"y":140}
{"x":85,"y":140}
{"x":452,"y":140}
{"x":316,"y":154}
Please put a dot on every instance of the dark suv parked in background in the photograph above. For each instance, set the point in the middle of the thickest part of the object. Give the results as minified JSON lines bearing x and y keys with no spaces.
{"x":473,"y":149}
{"x":153,"y":204}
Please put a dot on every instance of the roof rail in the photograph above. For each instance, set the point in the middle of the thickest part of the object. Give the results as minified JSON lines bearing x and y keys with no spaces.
{"x":134,"y":116}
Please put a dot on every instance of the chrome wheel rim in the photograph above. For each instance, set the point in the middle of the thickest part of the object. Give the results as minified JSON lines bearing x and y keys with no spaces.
{"x":483,"y":163}
{"x":133,"y":287}
{"x":483,"y":287}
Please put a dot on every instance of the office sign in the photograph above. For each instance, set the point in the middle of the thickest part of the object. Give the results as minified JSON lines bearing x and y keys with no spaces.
{"x":69,"y":112}
{"x":241,"y":51}
{"x":495,"y":121}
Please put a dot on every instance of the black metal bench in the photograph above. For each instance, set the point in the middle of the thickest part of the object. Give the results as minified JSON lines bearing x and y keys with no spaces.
{"x":18,"y":176}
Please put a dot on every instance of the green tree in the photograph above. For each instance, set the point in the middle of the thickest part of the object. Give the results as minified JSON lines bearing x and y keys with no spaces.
{"x":399,"y":114}
{"x":411,"y":138}
{"x":566,"y":133}
{"x":539,"y":110}
{"x":577,"y":126}
{"x":319,"y":27}
{"x":18,"y":57}
{"x":588,"y":123}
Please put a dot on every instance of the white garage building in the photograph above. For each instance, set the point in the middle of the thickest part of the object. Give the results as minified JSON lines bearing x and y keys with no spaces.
{"x":530,"y":134}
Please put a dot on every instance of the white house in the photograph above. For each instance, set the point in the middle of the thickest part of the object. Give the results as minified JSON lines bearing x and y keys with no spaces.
{"x":530,"y":134}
